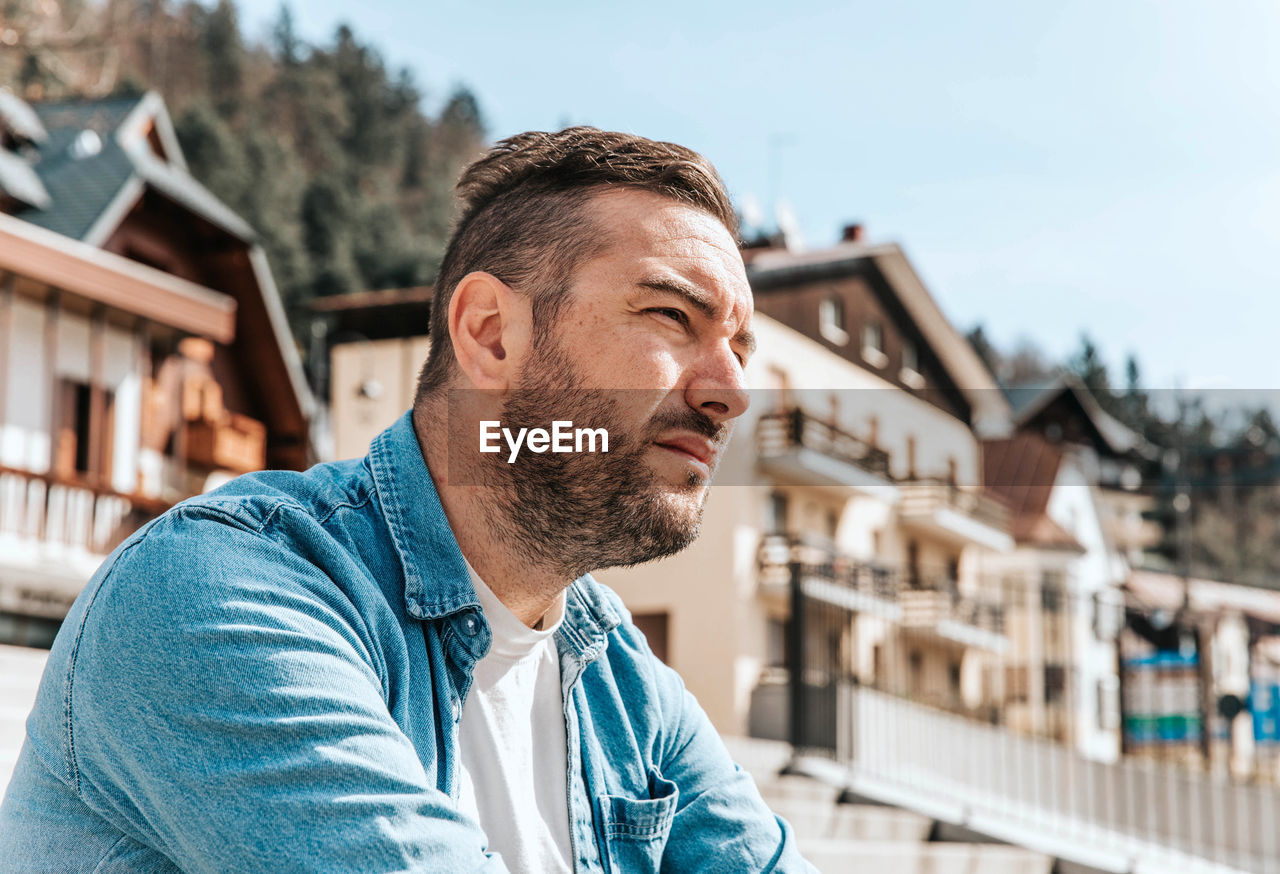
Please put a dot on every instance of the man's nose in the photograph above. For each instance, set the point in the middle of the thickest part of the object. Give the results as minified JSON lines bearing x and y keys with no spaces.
{"x":718,"y":387}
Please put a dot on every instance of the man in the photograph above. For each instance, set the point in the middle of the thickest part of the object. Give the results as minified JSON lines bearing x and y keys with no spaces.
{"x":402,"y":663}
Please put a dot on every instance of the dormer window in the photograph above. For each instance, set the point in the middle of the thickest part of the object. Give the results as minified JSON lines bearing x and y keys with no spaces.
{"x":873,"y":344}
{"x":831,"y":320}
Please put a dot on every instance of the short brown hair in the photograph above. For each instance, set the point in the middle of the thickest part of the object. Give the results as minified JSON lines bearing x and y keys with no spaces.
{"x":524,"y":217}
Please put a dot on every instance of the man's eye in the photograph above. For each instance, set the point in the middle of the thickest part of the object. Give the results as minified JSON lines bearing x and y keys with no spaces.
{"x":671,"y":313}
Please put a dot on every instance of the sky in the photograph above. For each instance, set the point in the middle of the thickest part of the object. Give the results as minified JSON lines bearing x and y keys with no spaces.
{"x":1049,"y":168}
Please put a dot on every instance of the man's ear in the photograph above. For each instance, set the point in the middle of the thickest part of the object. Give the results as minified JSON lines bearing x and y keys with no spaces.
{"x":490,"y":325}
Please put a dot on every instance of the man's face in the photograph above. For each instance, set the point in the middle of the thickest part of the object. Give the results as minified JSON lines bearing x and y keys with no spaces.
{"x":650,"y":346}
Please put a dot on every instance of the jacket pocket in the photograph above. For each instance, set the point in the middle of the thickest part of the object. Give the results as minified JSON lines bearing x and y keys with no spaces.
{"x":636,"y":829}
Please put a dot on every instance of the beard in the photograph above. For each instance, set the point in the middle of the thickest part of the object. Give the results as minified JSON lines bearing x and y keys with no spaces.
{"x":576,"y":512}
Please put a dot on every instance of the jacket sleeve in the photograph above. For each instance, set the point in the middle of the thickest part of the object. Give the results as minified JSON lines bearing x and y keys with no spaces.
{"x":227,"y":708}
{"x":721,"y":824}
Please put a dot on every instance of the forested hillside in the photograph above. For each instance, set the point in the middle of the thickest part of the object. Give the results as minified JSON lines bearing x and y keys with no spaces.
{"x":329,"y":154}
{"x":1220,"y":449}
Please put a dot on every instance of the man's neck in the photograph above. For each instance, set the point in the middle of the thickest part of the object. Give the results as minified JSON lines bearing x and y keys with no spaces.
{"x":526,"y":589}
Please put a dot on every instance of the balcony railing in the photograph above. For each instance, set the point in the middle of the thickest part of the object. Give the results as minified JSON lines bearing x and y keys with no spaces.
{"x":820,"y":561}
{"x":236,"y":443}
{"x":1119,"y":816}
{"x":795,"y":429}
{"x":925,"y":496}
{"x":48,"y":509}
{"x":921,"y":601}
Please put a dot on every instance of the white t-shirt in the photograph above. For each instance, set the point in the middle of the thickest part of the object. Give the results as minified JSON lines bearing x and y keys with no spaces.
{"x":512,"y":743}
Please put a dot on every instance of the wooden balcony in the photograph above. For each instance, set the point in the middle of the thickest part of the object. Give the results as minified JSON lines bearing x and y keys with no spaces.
{"x":797,"y":448}
{"x":69,"y":512}
{"x":237,"y":443}
{"x":54,"y":531}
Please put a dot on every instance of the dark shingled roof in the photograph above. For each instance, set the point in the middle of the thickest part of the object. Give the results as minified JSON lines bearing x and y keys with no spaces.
{"x":83,"y":183}
{"x":80,"y":188}
{"x":99,"y":116}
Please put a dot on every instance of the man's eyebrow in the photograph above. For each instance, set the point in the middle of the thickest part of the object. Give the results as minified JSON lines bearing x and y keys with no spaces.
{"x":699,"y":300}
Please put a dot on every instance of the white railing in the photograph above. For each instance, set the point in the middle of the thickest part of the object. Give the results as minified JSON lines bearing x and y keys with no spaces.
{"x":44,"y":509}
{"x":1127,"y":816}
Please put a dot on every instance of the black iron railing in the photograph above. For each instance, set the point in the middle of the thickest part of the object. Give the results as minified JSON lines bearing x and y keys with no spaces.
{"x":795,"y":429}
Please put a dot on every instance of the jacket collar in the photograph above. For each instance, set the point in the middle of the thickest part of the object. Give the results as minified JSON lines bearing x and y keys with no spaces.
{"x":436,"y":581}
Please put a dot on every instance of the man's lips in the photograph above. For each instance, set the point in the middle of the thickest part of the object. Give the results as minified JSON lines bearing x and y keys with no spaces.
{"x":698,"y":449}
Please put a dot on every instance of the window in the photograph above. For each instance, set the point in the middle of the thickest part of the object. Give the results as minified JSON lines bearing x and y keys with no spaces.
{"x":776,"y":514}
{"x":1055,"y":683}
{"x":1108,"y":703}
{"x":831,"y":321}
{"x":915,"y":679}
{"x":910,"y":359}
{"x":1016,"y":684}
{"x":1051,"y":591}
{"x":910,"y":373}
{"x":873,"y":344}
{"x":776,"y":646}
{"x":83,"y":446}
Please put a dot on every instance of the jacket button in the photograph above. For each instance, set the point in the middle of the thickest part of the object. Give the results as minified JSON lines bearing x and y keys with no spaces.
{"x":470,"y":625}
{"x":457,"y":710}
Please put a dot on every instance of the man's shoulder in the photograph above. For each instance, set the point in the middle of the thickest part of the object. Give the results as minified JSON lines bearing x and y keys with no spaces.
{"x":627,"y":651}
{"x":265,"y":533}
{"x":244,"y":556}
{"x":255,"y":499}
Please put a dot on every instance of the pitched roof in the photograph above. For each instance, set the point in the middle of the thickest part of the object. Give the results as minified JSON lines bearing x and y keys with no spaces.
{"x":773,"y":268}
{"x":1028,"y":399}
{"x":96,"y":161}
{"x":81,"y":186}
{"x":1022,"y":470}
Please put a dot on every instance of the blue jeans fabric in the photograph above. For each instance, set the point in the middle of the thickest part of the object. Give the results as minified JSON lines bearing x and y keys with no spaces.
{"x":269,"y":677}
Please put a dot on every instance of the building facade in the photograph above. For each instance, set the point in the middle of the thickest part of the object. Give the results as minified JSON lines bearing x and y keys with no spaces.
{"x":144,"y":355}
{"x":856,"y":478}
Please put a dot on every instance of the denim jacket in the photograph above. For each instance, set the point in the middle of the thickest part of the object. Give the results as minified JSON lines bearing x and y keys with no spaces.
{"x":270,"y":677}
